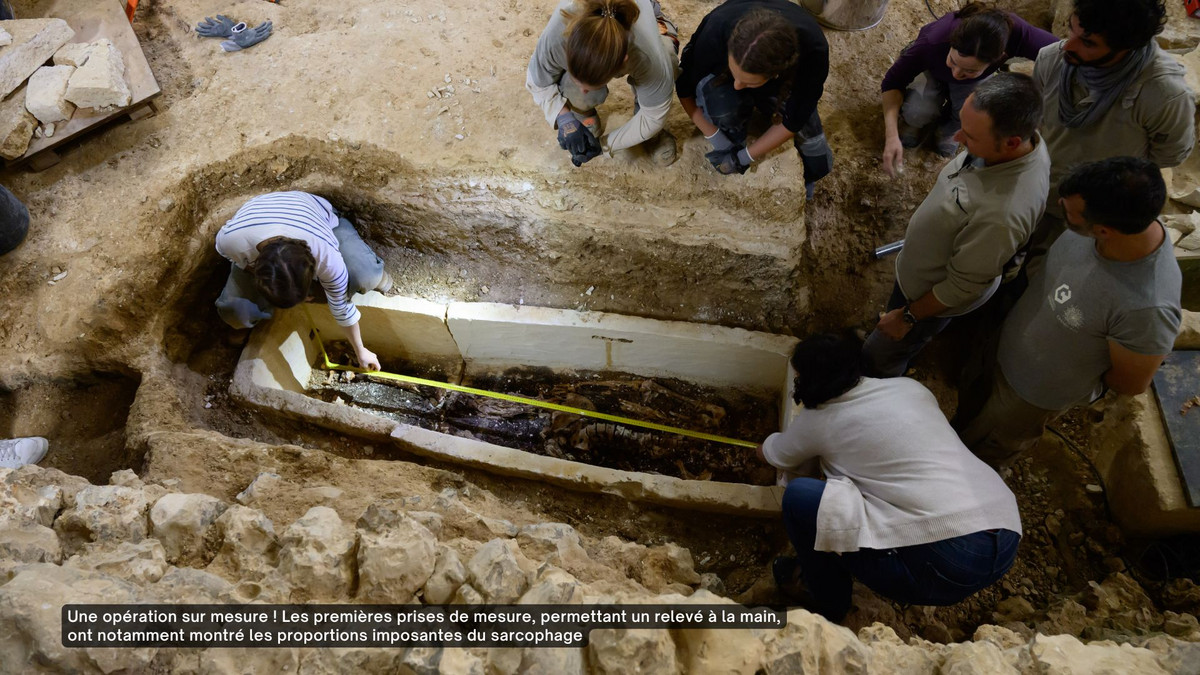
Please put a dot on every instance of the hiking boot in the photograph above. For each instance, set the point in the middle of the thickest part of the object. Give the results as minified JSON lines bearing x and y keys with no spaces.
{"x":17,"y":452}
{"x":944,"y":143}
{"x":661,"y":148}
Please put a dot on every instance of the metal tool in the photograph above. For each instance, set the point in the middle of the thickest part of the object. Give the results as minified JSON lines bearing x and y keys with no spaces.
{"x":888,"y":249}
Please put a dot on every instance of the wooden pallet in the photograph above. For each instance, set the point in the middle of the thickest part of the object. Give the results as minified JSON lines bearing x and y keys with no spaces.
{"x":92,"y":20}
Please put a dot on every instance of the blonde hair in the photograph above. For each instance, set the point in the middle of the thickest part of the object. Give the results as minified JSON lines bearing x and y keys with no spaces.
{"x":598,"y":39}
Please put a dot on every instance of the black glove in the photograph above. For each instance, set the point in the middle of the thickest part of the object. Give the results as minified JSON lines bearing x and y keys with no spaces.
{"x":727,"y":161}
{"x":575,"y":138}
{"x":592,"y":152}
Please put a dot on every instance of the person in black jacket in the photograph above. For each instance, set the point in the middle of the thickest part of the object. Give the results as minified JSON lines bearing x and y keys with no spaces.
{"x":768,"y":55}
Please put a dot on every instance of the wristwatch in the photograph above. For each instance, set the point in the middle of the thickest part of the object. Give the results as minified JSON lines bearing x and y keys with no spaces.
{"x":908,"y":315}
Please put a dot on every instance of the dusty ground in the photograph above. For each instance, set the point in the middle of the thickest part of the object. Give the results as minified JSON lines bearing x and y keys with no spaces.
{"x":467,"y":196}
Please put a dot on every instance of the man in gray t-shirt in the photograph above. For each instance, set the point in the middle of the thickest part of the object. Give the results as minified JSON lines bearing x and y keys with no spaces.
{"x":1103,"y":313}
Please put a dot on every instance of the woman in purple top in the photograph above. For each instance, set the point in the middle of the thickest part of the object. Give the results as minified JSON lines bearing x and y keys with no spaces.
{"x":948,"y":58}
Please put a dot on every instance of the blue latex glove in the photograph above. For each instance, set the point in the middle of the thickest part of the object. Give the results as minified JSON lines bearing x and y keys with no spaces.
{"x":222,"y":26}
{"x":728,"y":161}
{"x":244,"y":37}
{"x":576,"y":138}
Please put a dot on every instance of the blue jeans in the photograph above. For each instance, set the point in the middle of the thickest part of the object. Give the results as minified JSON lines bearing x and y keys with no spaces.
{"x":885,"y":357}
{"x":242,"y":306}
{"x":731,"y":110}
{"x":938,"y":573}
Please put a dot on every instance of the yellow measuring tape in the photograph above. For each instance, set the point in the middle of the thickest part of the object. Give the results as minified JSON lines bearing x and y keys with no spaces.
{"x":330,"y":365}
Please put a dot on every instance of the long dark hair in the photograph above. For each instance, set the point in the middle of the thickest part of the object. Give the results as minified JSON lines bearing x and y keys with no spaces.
{"x":826,"y":367}
{"x":982,"y":32}
{"x":598,"y":39}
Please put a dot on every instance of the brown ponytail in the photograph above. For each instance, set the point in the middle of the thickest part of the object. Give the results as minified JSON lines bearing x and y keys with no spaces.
{"x":598,"y":39}
{"x":764,"y":43}
{"x":982,"y":32}
{"x":283,"y":272}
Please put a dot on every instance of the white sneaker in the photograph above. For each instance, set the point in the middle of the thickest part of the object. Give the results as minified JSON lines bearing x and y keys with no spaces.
{"x":17,"y":452}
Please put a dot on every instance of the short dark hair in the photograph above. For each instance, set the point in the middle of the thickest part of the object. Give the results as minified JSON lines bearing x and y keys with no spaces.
{"x":1012,"y":101}
{"x":1124,"y":193}
{"x":283,"y":272}
{"x":1125,"y":24}
{"x":826,"y":367}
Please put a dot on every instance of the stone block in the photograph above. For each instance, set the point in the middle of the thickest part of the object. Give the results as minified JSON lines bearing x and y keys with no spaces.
{"x":100,"y":81}
{"x":497,"y":571}
{"x":27,"y":542}
{"x":45,"y":91}
{"x":632,"y":650}
{"x":448,"y":574}
{"x":181,"y":522}
{"x":73,"y":54}
{"x":317,"y":555}
{"x":395,"y":560}
{"x":249,"y":547}
{"x":101,"y":512}
{"x":33,"y":42}
{"x":1065,"y":654}
{"x":16,"y":126}
{"x":5,"y":38}
{"x":143,"y":562}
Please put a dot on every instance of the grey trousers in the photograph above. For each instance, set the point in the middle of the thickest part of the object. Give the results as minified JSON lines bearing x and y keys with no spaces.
{"x":242,"y":306}
{"x":1006,"y":426}
{"x":925,"y":99}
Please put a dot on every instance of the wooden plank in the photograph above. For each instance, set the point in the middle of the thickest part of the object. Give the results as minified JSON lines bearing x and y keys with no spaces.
{"x":93,"y":20}
{"x":1175,"y":383}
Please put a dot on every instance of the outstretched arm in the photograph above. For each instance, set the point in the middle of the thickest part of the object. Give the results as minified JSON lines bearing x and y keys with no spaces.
{"x":366,"y":358}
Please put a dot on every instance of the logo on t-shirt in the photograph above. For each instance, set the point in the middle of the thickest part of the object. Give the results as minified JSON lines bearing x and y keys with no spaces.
{"x":1062,"y":294}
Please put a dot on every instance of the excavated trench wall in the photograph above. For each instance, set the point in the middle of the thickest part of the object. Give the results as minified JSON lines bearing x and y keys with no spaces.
{"x":472,"y":339}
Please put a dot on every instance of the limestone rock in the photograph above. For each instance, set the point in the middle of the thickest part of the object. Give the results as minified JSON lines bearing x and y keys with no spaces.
{"x":317,"y":555}
{"x":887,"y":647}
{"x":336,"y":661}
{"x":143,"y":562}
{"x":1175,"y":656}
{"x":632,"y":650}
{"x":810,"y":644}
{"x":107,"y":512}
{"x":553,"y":587}
{"x":265,"y":483}
{"x":5,"y":38}
{"x":448,"y":574}
{"x":533,"y":661}
{"x":181,"y":522}
{"x":668,"y":567}
{"x":1066,"y":655}
{"x":249,"y":547}
{"x":33,"y":42}
{"x":43,"y":481}
{"x":100,"y":81}
{"x":230,"y":661}
{"x":21,"y":502}
{"x":184,"y":585}
{"x":1000,"y":636}
{"x":462,"y":521}
{"x":31,"y":617}
{"x":976,"y":658}
{"x":718,"y":650}
{"x":127,"y":478}
{"x":556,"y":543}
{"x":441,"y":661}
{"x":466,"y":595}
{"x":73,"y":54}
{"x":1189,"y":331}
{"x":28,"y":542}
{"x":396,"y":556}
{"x":16,"y":126}
{"x":497,"y":571}
{"x":45,"y":91}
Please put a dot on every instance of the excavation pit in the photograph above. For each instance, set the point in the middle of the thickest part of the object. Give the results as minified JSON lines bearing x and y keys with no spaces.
{"x":724,"y":381}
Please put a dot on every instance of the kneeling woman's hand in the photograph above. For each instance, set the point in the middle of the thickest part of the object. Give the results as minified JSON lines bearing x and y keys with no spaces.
{"x":367,"y":359}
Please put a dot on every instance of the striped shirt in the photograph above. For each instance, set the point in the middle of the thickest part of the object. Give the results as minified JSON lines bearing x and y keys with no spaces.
{"x":295,"y":215}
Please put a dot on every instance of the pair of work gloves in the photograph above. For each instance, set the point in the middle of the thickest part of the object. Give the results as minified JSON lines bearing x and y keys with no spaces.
{"x":577,"y":139}
{"x":240,"y":35}
{"x":728,"y":157}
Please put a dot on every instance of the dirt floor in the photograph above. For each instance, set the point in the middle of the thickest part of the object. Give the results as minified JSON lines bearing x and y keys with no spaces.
{"x":467,"y":196}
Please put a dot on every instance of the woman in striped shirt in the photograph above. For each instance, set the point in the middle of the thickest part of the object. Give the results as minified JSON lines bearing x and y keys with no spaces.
{"x":279,"y":243}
